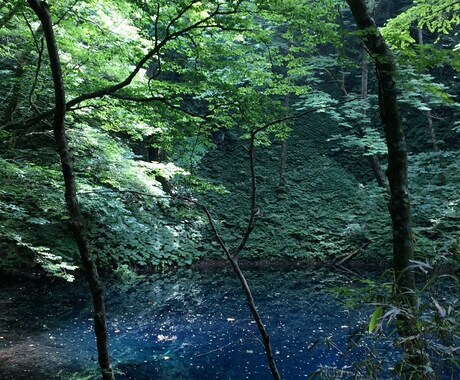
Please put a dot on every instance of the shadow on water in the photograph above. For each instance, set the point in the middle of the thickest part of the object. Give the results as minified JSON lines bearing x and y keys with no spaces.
{"x":182,"y":325}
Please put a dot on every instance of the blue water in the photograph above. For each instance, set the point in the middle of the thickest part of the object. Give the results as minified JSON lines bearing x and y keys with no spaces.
{"x":187,"y":325}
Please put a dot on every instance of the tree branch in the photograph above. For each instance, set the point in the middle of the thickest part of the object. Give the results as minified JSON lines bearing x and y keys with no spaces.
{"x":178,"y":16}
{"x":37,"y":72}
{"x":232,"y":257}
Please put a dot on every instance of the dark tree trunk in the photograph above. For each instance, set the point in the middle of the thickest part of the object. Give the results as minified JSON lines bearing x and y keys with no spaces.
{"x":397,"y":155}
{"x":154,"y":154}
{"x":42,"y":11}
{"x":378,"y":173}
{"x":399,"y":206}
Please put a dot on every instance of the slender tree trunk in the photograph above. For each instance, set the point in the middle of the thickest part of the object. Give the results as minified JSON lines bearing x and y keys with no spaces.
{"x":16,"y":90}
{"x":257,"y":318}
{"x":283,"y":153}
{"x":283,"y":159}
{"x":419,"y":366}
{"x":232,"y":256}
{"x":100,"y":326}
{"x":373,"y":159}
{"x":431,"y":130}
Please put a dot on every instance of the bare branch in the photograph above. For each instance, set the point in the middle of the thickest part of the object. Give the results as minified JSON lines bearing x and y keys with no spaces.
{"x":214,"y":228}
{"x":232,"y":257}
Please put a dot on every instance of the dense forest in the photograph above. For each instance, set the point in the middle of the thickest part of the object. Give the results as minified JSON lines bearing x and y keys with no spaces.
{"x":145,"y":136}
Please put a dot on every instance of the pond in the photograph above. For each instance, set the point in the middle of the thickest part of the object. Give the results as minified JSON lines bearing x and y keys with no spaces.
{"x":183,"y":325}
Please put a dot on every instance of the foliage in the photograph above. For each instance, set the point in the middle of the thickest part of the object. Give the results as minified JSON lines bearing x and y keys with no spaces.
{"x":441,"y":19}
{"x":438,"y":318}
{"x":31,"y":220}
{"x":437,"y":16}
{"x":190,"y":71}
{"x":435,"y":207}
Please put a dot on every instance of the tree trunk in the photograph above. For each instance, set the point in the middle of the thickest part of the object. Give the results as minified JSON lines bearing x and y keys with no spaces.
{"x":373,"y":159}
{"x":283,"y":153}
{"x":232,"y":256}
{"x":431,"y":130}
{"x":16,"y":90}
{"x":100,"y":326}
{"x":283,"y":157}
{"x":378,"y":173}
{"x":418,"y":364}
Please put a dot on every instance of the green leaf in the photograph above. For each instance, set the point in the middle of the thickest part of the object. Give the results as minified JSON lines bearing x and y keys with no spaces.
{"x":373,"y":323}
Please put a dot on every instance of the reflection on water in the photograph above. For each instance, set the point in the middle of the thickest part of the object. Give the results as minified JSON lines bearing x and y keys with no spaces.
{"x":185,"y":325}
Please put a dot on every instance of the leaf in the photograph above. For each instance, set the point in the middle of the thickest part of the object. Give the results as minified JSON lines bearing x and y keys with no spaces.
{"x":373,"y":323}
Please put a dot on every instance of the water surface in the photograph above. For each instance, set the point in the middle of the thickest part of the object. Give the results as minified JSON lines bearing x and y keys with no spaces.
{"x":182,"y":325}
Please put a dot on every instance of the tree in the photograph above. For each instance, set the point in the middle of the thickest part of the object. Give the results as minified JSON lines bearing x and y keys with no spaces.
{"x":399,"y":206}
{"x":100,"y":325}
